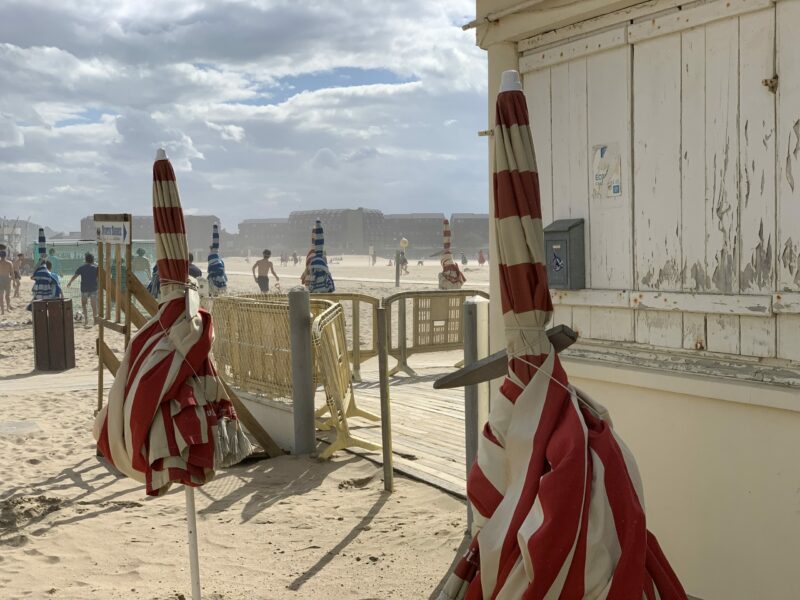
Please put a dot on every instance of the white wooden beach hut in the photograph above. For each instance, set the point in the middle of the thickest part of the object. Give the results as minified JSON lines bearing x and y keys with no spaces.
{"x":690,"y":319}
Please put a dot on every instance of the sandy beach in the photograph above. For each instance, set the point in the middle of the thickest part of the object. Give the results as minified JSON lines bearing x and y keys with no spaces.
{"x":292,"y":527}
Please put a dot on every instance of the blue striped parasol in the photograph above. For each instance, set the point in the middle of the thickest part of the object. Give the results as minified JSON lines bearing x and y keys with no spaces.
{"x":320,"y":279}
{"x":217,"y":278}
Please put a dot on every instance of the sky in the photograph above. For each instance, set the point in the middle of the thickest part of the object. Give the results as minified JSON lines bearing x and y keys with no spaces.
{"x":263,"y":106}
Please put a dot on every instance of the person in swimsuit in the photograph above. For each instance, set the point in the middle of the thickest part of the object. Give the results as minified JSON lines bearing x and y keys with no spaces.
{"x":17,"y":262}
{"x":264,"y":267}
{"x":6,"y":275}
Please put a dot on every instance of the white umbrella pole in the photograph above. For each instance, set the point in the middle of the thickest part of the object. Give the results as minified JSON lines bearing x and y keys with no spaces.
{"x":191,"y":522}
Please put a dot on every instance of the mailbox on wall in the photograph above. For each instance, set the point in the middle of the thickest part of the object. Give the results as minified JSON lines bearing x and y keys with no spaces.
{"x":564,"y":250}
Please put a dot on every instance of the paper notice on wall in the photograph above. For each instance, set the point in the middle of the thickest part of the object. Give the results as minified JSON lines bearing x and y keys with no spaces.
{"x":606,"y":171}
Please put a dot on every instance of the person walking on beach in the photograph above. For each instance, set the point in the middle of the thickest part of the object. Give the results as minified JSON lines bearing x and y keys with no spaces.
{"x":55,"y":261}
{"x":481,"y":258}
{"x":264,"y":267}
{"x":17,"y":262}
{"x":141,"y":266}
{"x":88,"y":274}
{"x":294,"y":258}
{"x":6,"y":276}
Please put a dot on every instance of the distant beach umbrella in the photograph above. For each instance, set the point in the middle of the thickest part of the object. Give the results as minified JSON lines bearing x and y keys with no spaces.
{"x":217,"y":279}
{"x":451,"y":276}
{"x":553,"y":488}
{"x":42,"y":245}
{"x":319,"y":279}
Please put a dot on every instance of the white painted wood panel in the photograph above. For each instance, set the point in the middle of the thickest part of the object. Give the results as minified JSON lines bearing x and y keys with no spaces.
{"x":788,"y":141}
{"x":569,"y":51}
{"x":605,"y":298}
{"x":788,"y":336}
{"x":537,"y":93}
{"x":659,"y":328}
{"x":615,"y":324}
{"x":562,"y":315}
{"x":696,"y":16}
{"x":582,"y":320}
{"x":756,"y":157}
{"x":694,"y":331}
{"x":723,"y":333}
{"x":693,"y":161}
{"x":657,"y":180}
{"x":722,"y":155}
{"x":722,"y":304}
{"x":570,"y":154}
{"x":609,"y":123}
{"x":757,"y":336}
{"x":786,"y":303}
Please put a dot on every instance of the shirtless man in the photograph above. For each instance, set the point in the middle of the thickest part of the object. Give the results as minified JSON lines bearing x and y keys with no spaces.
{"x":17,"y":262}
{"x":6,"y":276}
{"x":264,"y":267}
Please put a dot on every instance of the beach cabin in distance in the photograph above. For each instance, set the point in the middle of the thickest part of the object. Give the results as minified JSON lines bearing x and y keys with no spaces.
{"x":672,"y":127}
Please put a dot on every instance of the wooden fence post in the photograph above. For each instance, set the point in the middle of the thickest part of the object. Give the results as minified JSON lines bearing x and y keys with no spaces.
{"x":386,"y":419}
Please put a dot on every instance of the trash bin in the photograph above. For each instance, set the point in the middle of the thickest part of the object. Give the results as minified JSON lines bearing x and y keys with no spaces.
{"x":53,"y":335}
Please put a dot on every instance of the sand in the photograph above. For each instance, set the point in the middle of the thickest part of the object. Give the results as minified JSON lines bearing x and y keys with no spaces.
{"x":292,"y":527}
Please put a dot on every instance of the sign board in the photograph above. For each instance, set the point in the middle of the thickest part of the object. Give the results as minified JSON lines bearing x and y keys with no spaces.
{"x":606,"y":171}
{"x":403,"y":243}
{"x":113,"y":232}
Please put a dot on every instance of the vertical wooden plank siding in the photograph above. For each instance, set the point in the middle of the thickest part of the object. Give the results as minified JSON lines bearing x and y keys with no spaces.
{"x":537,"y":92}
{"x":559,"y":94}
{"x":722,"y":154}
{"x":562,"y":315}
{"x":579,"y":155}
{"x":788,"y":151}
{"x":788,"y":175}
{"x":694,"y":331}
{"x":657,"y":180}
{"x":609,"y":123}
{"x":757,"y":336}
{"x":693,"y":165}
{"x":723,"y":333}
{"x":757,"y":153}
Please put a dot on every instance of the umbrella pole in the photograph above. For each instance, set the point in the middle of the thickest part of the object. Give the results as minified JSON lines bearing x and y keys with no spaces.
{"x":191,"y":522}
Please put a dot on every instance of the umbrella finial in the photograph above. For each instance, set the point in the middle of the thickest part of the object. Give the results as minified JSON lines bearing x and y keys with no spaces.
{"x":510,"y":82}
{"x":161,"y":154}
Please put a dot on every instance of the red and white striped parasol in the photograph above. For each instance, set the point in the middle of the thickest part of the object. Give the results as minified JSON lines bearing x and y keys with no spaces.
{"x":556,"y":494}
{"x":451,"y":276}
{"x":168,"y":418}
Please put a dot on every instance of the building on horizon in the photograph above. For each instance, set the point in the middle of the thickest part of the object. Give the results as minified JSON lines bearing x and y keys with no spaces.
{"x":422,"y":230}
{"x":470,"y":232}
{"x":256,"y":235}
{"x":346,"y":230}
{"x":198,"y":231}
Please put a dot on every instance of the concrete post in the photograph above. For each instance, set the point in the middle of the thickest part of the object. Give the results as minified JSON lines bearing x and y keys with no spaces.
{"x":476,"y":397}
{"x":302,"y":371}
{"x":386,"y":415}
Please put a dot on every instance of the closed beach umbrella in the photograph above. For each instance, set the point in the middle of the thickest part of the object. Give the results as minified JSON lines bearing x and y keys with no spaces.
{"x":319,"y":279}
{"x":451,"y":276}
{"x":217,"y":279}
{"x":556,"y":494}
{"x":168,"y":419}
{"x":46,"y":285}
{"x":42,"y":246}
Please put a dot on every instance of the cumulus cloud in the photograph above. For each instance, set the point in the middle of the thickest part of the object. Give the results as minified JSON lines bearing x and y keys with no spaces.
{"x":264,"y":106}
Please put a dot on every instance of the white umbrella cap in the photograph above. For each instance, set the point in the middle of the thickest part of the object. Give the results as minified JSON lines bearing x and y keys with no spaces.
{"x":510,"y":82}
{"x":161,"y":154}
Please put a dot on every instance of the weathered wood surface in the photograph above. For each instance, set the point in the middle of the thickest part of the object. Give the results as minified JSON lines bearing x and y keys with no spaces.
{"x":427,"y":424}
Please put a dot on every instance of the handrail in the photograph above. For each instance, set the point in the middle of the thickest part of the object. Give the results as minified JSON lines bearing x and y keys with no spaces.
{"x":432,"y":330}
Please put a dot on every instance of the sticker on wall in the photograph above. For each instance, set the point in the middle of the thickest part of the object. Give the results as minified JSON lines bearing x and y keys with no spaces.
{"x":606,"y":171}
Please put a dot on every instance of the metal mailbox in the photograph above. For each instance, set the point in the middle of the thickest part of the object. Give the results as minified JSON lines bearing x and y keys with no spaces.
{"x":564,"y":251}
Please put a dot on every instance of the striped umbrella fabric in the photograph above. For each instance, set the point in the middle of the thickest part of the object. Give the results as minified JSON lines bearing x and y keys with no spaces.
{"x":557,"y":496}
{"x":451,"y":274}
{"x":42,"y":246}
{"x":216,"y":267}
{"x":168,"y":418}
{"x":46,"y":285}
{"x":319,"y":275}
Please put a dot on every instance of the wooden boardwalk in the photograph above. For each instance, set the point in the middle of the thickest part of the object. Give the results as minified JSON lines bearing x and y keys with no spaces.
{"x":427,"y":424}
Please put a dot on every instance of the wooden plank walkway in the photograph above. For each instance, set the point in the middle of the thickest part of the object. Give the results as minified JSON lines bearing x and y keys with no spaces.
{"x":427,"y":424}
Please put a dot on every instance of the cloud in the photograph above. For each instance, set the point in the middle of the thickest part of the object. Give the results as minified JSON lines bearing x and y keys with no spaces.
{"x":264,"y":106}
